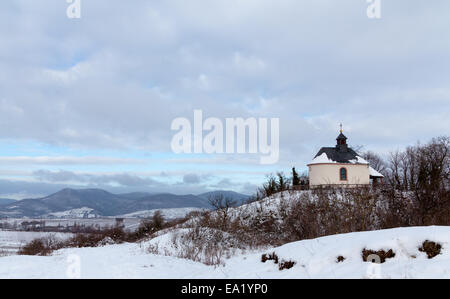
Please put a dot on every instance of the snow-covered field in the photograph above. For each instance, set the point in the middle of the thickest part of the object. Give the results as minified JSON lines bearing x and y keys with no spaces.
{"x":315,"y":258}
{"x":83,"y":213}
{"x":130,"y":223}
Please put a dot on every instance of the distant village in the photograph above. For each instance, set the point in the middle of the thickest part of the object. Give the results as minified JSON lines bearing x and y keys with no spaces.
{"x":63,"y":226}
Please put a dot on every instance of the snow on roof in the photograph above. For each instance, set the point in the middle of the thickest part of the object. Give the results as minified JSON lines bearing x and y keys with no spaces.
{"x":375,"y":173}
{"x":323,"y":158}
{"x":358,"y":160}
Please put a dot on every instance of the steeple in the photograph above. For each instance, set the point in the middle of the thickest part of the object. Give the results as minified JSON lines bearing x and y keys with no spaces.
{"x":341,"y":144}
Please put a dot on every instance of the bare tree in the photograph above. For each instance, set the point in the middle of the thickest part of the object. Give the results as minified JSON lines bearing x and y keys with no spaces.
{"x":423,"y":170}
{"x":375,"y":160}
{"x":269,"y":188}
{"x":283,"y":182}
{"x":222,"y":205}
{"x":295,"y":178}
{"x":158,"y":220}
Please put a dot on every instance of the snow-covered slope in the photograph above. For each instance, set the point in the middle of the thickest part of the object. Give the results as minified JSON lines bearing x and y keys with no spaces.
{"x":167,"y":213}
{"x":315,"y":258}
{"x":83,"y":212}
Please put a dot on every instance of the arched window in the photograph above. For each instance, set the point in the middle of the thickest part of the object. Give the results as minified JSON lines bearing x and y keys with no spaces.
{"x":343,"y":174}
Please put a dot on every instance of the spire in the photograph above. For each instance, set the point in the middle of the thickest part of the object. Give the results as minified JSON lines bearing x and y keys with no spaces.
{"x":341,"y":144}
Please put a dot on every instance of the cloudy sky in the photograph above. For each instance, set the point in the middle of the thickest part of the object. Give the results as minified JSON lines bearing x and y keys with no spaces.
{"x":89,"y":102}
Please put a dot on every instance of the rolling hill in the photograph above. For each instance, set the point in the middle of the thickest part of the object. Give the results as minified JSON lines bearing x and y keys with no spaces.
{"x":5,"y":201}
{"x":104,"y":203}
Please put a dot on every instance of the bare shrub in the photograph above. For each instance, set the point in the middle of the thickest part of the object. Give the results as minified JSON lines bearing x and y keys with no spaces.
{"x":83,"y":240}
{"x":328,"y":211}
{"x":270,"y":257}
{"x":153,"y":248}
{"x":42,"y":246}
{"x":284,"y":265}
{"x":147,"y":227}
{"x":395,"y":209}
{"x":432,"y":249}
{"x":45,"y":246}
{"x":200,"y":244}
{"x":222,"y":205}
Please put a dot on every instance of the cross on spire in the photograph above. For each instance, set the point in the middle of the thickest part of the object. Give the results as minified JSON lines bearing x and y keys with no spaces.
{"x":341,"y":128}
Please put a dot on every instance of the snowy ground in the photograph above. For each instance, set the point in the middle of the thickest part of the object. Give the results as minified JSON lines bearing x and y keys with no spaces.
{"x":314,"y":259}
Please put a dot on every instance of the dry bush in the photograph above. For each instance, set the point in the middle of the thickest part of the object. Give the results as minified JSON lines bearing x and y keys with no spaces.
{"x":432,"y":249}
{"x":41,"y":246}
{"x":205,"y":245}
{"x":329,"y":211}
{"x":340,"y":259}
{"x":395,"y":209}
{"x":148,"y":227}
{"x":274,"y":257}
{"x":84,"y":240}
{"x":45,"y":246}
{"x":297,"y":216}
{"x":35,"y":247}
{"x":270,"y":257}
{"x":284,"y":265}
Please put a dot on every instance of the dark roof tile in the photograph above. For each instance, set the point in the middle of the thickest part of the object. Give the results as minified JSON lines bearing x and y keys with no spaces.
{"x":339,"y":156}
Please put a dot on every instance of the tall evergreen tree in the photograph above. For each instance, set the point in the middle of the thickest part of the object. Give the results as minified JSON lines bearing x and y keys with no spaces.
{"x":295,"y":178}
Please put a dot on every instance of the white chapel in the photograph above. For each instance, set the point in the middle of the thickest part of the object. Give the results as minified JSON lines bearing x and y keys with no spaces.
{"x":341,"y":165}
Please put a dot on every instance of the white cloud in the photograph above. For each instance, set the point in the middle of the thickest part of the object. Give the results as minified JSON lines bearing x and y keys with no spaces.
{"x":116,"y":78}
{"x":191,"y":178}
{"x":61,"y":160}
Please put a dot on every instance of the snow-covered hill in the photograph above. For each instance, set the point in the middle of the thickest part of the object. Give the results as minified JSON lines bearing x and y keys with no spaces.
{"x":83,"y":212}
{"x":317,"y":258}
{"x":167,"y":213}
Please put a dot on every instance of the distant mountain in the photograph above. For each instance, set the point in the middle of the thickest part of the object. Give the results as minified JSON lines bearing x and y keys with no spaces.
{"x":5,"y":201}
{"x":238,"y":197}
{"x":103,"y":203}
{"x":134,"y":195}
